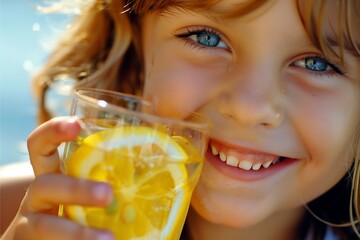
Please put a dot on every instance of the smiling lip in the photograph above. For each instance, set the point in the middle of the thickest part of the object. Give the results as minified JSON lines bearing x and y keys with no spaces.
{"x":245,"y":164}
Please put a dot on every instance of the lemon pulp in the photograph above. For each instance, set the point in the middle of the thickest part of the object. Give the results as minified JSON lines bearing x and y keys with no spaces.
{"x":147,"y":171}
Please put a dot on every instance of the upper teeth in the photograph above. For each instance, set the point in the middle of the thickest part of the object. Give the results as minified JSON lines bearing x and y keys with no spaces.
{"x":235,"y":162}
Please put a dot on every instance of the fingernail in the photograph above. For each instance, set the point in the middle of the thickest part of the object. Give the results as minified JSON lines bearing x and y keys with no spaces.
{"x":64,"y":125}
{"x":101,"y":191}
{"x":72,"y":119}
{"x":105,"y":236}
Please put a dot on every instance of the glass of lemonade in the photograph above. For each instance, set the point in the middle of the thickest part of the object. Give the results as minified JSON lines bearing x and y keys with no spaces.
{"x":152,"y":163}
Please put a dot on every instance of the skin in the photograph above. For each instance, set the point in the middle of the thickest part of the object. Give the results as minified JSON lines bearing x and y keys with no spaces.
{"x":263,"y":102}
{"x":36,"y":218}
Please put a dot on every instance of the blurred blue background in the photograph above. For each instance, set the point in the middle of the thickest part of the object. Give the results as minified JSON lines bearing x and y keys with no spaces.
{"x":26,"y":36}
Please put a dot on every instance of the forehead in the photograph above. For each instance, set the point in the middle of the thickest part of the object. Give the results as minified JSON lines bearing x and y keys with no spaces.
{"x":223,"y":7}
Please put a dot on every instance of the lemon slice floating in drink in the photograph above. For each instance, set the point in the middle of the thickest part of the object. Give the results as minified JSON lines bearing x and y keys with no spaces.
{"x":146,"y":169}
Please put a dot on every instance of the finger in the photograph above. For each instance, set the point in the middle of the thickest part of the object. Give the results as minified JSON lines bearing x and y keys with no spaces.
{"x":42,"y":226}
{"x":49,"y":190}
{"x":44,"y":141}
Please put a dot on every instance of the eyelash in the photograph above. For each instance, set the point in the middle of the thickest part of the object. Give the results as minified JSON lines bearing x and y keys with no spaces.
{"x":197,"y":31}
{"x":334,"y":68}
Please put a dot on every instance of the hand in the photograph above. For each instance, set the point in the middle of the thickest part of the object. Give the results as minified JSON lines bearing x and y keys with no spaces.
{"x":37,"y":216}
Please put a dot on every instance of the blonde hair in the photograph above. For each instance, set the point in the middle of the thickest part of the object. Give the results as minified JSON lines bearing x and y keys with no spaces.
{"x":103,"y":50}
{"x":97,"y":51}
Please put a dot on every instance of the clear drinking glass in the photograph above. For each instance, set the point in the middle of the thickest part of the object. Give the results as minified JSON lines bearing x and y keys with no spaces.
{"x":152,"y":163}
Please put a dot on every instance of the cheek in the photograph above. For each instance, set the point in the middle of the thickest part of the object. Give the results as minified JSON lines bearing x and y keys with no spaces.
{"x":175,"y":84}
{"x":325,"y":115}
{"x":328,"y":126}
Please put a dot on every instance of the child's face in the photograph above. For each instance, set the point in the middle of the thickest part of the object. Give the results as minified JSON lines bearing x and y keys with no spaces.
{"x":271,"y":97}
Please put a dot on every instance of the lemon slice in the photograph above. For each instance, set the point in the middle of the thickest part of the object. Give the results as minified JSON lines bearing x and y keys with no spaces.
{"x":146,"y":169}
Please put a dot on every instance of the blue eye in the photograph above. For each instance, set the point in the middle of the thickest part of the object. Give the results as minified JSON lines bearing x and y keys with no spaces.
{"x":204,"y":37}
{"x":316,"y":64}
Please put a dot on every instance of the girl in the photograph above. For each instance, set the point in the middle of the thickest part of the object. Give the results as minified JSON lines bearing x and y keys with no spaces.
{"x":280,"y":81}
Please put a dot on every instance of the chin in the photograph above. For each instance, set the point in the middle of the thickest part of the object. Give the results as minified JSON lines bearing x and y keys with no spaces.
{"x":227,"y":211}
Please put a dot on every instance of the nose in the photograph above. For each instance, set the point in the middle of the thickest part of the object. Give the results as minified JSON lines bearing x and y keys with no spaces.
{"x":253,"y":100}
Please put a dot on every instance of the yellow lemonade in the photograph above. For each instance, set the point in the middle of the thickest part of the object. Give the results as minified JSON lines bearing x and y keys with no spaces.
{"x":152,"y":176}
